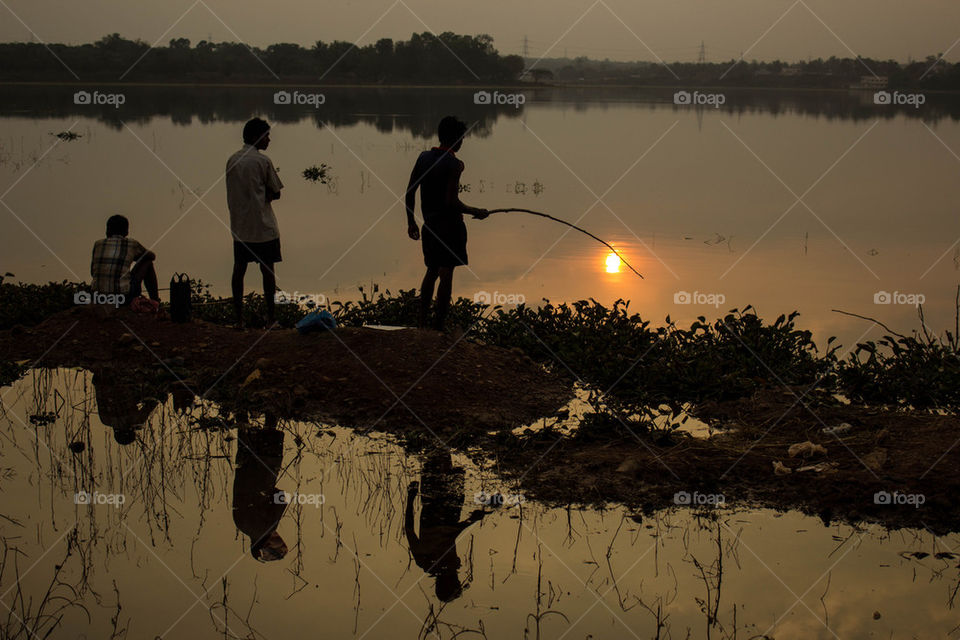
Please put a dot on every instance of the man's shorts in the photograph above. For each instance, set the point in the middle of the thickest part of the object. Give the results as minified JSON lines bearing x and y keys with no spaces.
{"x":266,"y":253}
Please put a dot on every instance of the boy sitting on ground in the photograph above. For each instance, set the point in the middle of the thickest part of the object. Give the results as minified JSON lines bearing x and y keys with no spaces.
{"x":121,"y":265}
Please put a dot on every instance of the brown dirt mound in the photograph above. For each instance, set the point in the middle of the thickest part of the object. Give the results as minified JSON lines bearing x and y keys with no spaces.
{"x":355,"y":376}
{"x":907,"y":453}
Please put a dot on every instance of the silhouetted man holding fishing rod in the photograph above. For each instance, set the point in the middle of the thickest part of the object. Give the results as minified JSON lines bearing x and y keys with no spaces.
{"x":437,"y":175}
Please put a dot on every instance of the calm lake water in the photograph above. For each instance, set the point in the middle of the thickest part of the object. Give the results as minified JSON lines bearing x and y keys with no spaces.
{"x":810,"y":201}
{"x":151,"y":545}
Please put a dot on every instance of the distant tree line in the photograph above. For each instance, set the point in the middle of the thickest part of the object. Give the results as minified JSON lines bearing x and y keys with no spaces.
{"x":832,"y":73}
{"x":423,"y":59}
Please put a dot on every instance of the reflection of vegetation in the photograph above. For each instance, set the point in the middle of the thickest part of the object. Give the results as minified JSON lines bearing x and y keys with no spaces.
{"x":67,"y":136}
{"x":29,"y":617}
{"x":317,"y":174}
{"x":416,"y":110}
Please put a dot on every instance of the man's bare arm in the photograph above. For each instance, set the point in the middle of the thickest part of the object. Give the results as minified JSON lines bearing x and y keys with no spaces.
{"x":411,"y":202}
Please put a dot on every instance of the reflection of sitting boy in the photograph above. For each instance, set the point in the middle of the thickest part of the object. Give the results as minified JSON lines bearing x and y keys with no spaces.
{"x":122,"y":406}
{"x":120,"y":265}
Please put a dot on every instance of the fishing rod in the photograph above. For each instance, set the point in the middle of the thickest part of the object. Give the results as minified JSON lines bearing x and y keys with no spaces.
{"x":572,"y":226}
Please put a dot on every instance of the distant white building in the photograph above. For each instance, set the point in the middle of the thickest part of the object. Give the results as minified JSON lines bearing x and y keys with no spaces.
{"x":872,"y":83}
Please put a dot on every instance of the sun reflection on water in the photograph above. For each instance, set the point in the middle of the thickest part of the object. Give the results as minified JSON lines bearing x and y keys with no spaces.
{"x":613,"y":263}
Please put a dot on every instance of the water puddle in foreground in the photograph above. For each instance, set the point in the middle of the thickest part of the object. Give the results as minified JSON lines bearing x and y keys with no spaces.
{"x":141,"y":541}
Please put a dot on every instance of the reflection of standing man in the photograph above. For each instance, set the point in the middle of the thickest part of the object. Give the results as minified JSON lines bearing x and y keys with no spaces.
{"x":435,"y":549}
{"x":256,"y":508}
{"x":252,"y":184}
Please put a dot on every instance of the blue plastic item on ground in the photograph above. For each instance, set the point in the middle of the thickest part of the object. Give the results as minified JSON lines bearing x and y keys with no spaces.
{"x":316,"y":321}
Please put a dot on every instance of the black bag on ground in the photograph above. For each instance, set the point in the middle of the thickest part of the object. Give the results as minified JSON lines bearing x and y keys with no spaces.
{"x":180,"y":297}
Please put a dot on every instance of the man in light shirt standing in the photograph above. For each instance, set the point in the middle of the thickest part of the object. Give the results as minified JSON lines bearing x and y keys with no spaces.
{"x":252,"y":184}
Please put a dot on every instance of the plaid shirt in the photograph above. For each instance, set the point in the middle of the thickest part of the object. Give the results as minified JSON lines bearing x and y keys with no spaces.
{"x":112,"y":259}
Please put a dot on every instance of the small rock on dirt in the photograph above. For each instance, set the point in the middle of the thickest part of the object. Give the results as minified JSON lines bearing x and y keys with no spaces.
{"x":875,"y":459}
{"x":806,"y":450}
{"x":820,"y":467}
{"x":254,"y":375}
{"x":781,"y":469}
{"x":836,"y":430}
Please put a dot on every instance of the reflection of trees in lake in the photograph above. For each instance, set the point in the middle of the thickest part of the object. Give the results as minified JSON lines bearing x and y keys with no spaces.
{"x":417,"y":110}
{"x":388,"y":110}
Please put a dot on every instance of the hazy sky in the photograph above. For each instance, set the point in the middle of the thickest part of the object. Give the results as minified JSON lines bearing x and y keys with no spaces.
{"x":597,"y":28}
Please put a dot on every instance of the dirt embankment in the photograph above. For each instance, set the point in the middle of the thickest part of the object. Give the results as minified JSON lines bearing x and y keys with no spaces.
{"x":911,"y":459}
{"x":357,"y":377}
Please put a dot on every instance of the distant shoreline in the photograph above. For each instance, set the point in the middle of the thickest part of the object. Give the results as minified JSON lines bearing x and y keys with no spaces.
{"x":465,"y":87}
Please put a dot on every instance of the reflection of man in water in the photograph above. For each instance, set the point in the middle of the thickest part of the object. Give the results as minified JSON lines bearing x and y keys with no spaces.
{"x":435,"y":550}
{"x":122,"y":405}
{"x":256,"y":508}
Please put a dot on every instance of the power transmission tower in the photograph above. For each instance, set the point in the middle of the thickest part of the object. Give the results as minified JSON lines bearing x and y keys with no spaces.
{"x":702,"y":56}
{"x":526,"y":47}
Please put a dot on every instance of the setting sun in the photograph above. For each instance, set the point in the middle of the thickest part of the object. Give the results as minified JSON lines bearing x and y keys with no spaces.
{"x":613,"y":263}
